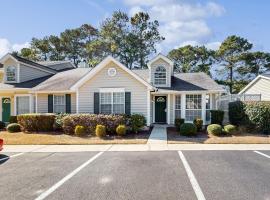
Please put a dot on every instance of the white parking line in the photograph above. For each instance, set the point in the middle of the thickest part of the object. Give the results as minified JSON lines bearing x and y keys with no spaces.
{"x":8,"y":157}
{"x":192,"y":179}
{"x":265,"y":155}
{"x":67,"y":177}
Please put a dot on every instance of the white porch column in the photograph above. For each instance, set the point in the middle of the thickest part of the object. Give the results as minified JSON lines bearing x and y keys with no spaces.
{"x":77,"y":101}
{"x":204,"y":108}
{"x":183,"y":106}
{"x":36,"y":103}
{"x":148,"y":108}
{"x":173,"y":108}
{"x":169,"y":109}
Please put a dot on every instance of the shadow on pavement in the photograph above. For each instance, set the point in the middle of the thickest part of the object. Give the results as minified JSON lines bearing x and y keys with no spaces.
{"x":3,"y":158}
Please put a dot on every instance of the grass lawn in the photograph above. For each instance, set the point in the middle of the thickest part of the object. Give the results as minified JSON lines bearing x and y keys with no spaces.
{"x":59,"y":138}
{"x":174,"y":137}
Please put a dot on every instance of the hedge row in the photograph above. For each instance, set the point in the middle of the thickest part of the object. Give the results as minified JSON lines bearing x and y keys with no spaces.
{"x":251,"y":114}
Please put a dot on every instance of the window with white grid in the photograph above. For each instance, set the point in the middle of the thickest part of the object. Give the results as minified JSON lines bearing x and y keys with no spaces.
{"x":59,"y":104}
{"x":193,"y":106}
{"x":11,"y":73}
{"x":160,"y":76}
{"x":22,"y":105}
{"x":208,"y":108}
{"x":177,"y":107}
{"x":112,"y":102}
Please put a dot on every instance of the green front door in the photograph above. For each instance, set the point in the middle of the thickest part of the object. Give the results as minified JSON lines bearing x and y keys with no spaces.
{"x":160,"y":109}
{"x":5,"y":109}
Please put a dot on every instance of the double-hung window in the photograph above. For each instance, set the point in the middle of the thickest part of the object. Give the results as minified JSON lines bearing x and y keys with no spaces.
{"x":112,"y":102}
{"x":193,"y":106}
{"x":22,"y":105}
{"x":177,"y":106}
{"x":59,"y":104}
{"x":11,"y":73}
{"x":160,"y":76}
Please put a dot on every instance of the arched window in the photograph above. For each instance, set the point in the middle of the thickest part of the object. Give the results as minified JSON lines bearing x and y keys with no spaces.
{"x":160,"y":76}
{"x":11,"y":73}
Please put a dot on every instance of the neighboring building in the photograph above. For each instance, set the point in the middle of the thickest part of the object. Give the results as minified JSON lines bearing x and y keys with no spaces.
{"x":157,"y":92}
{"x":259,"y":86}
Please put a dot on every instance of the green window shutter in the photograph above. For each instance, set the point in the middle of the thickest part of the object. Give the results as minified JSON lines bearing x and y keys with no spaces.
{"x":50,"y":103}
{"x":128,"y":103}
{"x":68,"y":103}
{"x":96,"y":103}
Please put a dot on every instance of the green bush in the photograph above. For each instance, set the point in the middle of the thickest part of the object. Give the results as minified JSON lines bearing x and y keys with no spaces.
{"x":214,"y":129}
{"x":198,"y":123}
{"x":100,"y":130}
{"x":14,"y":128}
{"x":230,"y":129}
{"x":13,"y":119}
{"x":217,"y":116}
{"x":121,"y":130}
{"x":237,"y":115}
{"x":80,"y":130}
{"x":188,"y":129}
{"x":178,"y":122}
{"x":58,"y":122}
{"x":90,"y":121}
{"x":2,"y":125}
{"x":36,"y":122}
{"x":137,"y":121}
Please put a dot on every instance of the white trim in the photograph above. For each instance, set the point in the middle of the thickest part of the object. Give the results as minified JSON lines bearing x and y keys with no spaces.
{"x":204,"y":108}
{"x":15,"y":102}
{"x":154,"y":107}
{"x":183,"y":106}
{"x":52,"y":91}
{"x":187,"y":92}
{"x":103,"y":64}
{"x":168,"y":109}
{"x":7,"y":56}
{"x":253,"y":82}
{"x":1,"y":111}
{"x":36,"y":103}
{"x":148,"y":108}
{"x":159,"y":56}
{"x":77,"y":101}
{"x":174,"y":107}
{"x":111,"y":90}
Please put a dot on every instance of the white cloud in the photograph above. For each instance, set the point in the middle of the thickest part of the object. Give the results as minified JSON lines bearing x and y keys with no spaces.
{"x":7,"y":47}
{"x":180,"y":21}
{"x":135,"y":10}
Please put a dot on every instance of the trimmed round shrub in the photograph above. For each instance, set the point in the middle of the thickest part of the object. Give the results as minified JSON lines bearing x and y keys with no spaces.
{"x":13,"y":128}
{"x":13,"y":119}
{"x":137,"y":122}
{"x":80,"y":130}
{"x":100,"y":130}
{"x":188,"y":129}
{"x":198,"y":123}
{"x":2,"y":125}
{"x":230,"y":129}
{"x":178,"y":122}
{"x":121,"y":130}
{"x":214,"y":129}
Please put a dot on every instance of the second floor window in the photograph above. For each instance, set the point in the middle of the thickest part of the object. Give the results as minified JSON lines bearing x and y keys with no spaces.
{"x":11,"y":73}
{"x":160,"y":76}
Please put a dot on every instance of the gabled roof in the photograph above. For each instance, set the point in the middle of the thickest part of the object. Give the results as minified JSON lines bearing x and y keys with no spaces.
{"x":265,"y":76}
{"x":58,"y":65}
{"x":101,"y":65}
{"x":27,"y":62}
{"x":62,"y":81}
{"x":160,"y":56}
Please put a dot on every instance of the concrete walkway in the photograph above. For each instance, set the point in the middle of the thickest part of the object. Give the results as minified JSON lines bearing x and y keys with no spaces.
{"x":158,"y":135}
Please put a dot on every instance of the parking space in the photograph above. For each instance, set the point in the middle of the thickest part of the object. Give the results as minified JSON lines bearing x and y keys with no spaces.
{"x":231,"y":174}
{"x":136,"y":175}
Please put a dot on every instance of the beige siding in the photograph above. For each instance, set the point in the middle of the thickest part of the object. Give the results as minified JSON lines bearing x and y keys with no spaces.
{"x":29,"y":73}
{"x":168,"y":71}
{"x":262,"y":86}
{"x":42,"y":103}
{"x":121,"y":80}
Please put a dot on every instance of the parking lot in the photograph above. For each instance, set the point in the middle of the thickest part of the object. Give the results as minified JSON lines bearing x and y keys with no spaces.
{"x":136,"y":175}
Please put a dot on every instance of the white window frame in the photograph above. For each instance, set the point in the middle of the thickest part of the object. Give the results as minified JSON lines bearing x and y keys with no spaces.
{"x":15,"y":74}
{"x":15,"y":102}
{"x":193,"y":109}
{"x":112,"y":91}
{"x":59,"y":104}
{"x":208,"y":109}
{"x":179,"y":96}
{"x":160,"y":72}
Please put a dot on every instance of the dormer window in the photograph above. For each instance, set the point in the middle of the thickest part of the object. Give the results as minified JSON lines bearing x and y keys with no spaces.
{"x":160,"y":76}
{"x":11,"y":74}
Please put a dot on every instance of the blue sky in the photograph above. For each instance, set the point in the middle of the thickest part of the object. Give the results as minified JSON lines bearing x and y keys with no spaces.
{"x":181,"y":21}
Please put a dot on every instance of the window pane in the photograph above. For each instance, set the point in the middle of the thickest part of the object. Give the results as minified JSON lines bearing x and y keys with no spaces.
{"x":59,"y":104}
{"x":193,"y":114}
{"x":208,"y":101}
{"x":178,"y":106}
{"x":11,"y":74}
{"x":160,"y":76}
{"x":23,"y":105}
{"x":105,"y":108}
{"x":106,"y":103}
